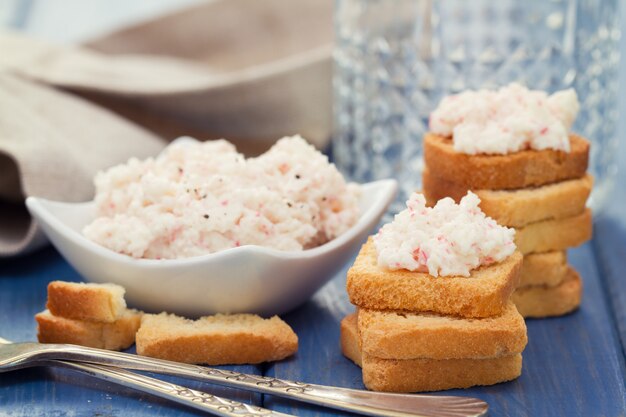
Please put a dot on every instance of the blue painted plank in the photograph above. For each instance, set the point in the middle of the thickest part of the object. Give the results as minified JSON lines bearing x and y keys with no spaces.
{"x":609,"y":241}
{"x":572,"y":366}
{"x":38,"y":392}
{"x":319,"y":359}
{"x":610,"y":249}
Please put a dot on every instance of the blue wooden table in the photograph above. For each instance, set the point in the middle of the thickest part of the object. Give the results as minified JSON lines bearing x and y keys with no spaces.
{"x":572,"y":366}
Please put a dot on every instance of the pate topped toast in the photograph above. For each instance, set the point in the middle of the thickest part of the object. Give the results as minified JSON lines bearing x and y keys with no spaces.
{"x":483,"y":294}
{"x":528,"y":168}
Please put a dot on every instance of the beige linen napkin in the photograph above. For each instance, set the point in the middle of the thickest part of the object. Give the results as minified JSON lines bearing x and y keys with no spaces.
{"x":51,"y":145}
{"x":247,"y":70}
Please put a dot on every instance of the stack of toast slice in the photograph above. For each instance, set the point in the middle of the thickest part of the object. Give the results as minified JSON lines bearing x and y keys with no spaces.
{"x":93,"y":315}
{"x":542,"y":194}
{"x":414,"y":332}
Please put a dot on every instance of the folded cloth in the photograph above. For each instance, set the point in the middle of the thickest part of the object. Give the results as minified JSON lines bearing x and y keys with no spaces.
{"x":247,"y":70}
{"x":51,"y":146}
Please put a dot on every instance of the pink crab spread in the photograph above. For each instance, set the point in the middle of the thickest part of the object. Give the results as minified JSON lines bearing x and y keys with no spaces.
{"x":198,"y":198}
{"x":510,"y":119}
{"x":446,"y":240}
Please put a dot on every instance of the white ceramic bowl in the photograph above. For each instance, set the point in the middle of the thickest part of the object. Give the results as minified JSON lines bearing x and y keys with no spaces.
{"x":249,"y":279}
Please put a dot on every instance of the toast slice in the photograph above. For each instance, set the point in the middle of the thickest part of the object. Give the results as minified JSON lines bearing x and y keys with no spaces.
{"x":517,"y":208}
{"x":554,"y":235}
{"x":92,"y":302}
{"x":349,"y":338}
{"x":117,"y":335}
{"x":547,"y":268}
{"x":419,"y":375}
{"x":522,"y":169}
{"x":542,"y":301}
{"x":484,"y":293}
{"x":216,"y":340}
{"x":399,"y":335}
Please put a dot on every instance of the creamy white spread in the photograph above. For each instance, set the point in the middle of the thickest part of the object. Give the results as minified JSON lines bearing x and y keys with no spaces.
{"x":446,"y":240}
{"x":197,"y":198}
{"x":510,"y":119}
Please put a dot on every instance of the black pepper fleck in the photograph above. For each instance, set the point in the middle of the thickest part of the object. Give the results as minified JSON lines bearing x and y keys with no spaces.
{"x":297,"y":176}
{"x":289,"y":204}
{"x":206,"y":216}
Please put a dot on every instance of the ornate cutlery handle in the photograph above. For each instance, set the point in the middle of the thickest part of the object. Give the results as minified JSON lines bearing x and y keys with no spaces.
{"x":200,"y":400}
{"x":359,"y":401}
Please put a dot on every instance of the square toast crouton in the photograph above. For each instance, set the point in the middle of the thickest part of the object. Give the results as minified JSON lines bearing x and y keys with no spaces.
{"x":403,"y":335}
{"x":539,"y":301}
{"x":546,"y":268}
{"x":418,"y":375}
{"x":102,"y":303}
{"x":484,"y":293}
{"x":521,"y":169}
{"x":117,"y":335}
{"x":216,"y":340}
{"x":554,"y":235}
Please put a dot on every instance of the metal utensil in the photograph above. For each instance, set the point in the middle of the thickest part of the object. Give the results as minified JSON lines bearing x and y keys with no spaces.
{"x":17,"y":355}
{"x":203,"y":401}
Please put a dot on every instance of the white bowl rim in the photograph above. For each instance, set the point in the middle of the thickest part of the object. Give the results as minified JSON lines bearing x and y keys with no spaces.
{"x":388,"y":189}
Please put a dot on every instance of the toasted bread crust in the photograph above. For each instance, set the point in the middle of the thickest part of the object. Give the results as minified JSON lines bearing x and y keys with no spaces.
{"x":113,"y":336}
{"x":102,"y":303}
{"x":403,"y":335}
{"x":483,"y":294}
{"x":422,"y":375}
{"x":418,"y":375}
{"x":504,"y":172}
{"x":349,"y":338}
{"x":517,"y":208}
{"x":555,"y":235}
{"x":547,"y":268}
{"x":542,"y":301}
{"x":216,"y":340}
